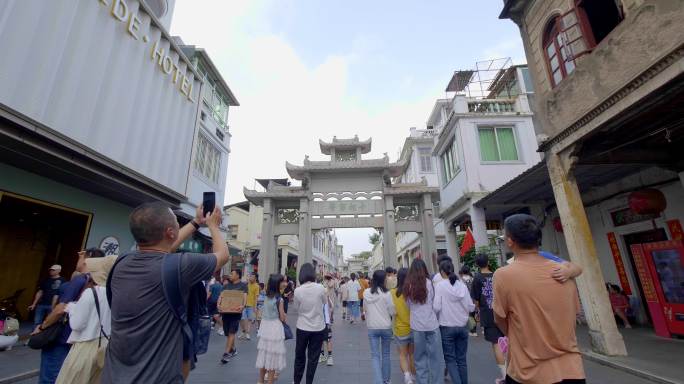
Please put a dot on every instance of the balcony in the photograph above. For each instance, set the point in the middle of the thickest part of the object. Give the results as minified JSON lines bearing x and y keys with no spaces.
{"x":491,"y":106}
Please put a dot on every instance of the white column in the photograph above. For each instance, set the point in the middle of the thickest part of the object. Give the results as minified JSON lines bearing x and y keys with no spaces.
{"x":477,"y":218}
{"x":389,"y":238}
{"x":428,"y":244}
{"x":283,"y":264}
{"x":267,"y":249}
{"x":452,"y":245}
{"x":305,"y":244}
{"x":605,"y":337}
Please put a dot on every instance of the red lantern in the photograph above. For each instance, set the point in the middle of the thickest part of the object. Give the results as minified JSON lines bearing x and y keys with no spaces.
{"x":647,"y":201}
{"x":557,"y":224}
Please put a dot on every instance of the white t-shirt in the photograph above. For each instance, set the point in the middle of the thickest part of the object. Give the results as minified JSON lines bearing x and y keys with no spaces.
{"x":353,"y":288}
{"x":309,"y":300}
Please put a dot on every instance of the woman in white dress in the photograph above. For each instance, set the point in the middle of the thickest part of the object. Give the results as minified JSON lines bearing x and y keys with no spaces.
{"x":271,"y":347}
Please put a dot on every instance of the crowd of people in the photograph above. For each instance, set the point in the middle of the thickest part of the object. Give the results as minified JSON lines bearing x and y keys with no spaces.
{"x":144,"y":316}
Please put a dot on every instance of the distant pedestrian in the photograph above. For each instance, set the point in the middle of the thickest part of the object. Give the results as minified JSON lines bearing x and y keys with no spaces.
{"x":231,"y":320}
{"x":90,"y":322}
{"x":453,"y":306}
{"x":437,"y":277}
{"x":379,"y":309}
{"x":327,"y":343}
{"x":483,"y":297}
{"x":286,"y":292}
{"x":214,"y":292}
{"x":390,"y":278}
{"x":353,"y":288}
{"x":535,"y":311}
{"x":271,"y":353}
{"x":402,"y":329}
{"x":309,"y":299}
{"x":249,"y":313}
{"x":619,"y":303}
{"x":260,"y":303}
{"x":147,"y":343}
{"x":420,"y":294}
{"x":344,"y":297}
{"x":48,"y":290}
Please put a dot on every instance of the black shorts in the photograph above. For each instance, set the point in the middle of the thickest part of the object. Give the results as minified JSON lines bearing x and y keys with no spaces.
{"x":211,"y":308}
{"x":231,"y":322}
{"x":492,"y":334}
{"x":344,"y":303}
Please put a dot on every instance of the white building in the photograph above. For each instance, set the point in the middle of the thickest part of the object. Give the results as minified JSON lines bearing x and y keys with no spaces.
{"x":100,"y":110}
{"x":421,"y":167}
{"x":484,"y":141}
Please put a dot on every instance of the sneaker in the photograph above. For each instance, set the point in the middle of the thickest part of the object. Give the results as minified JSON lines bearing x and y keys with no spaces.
{"x":248,"y":337}
{"x":408,"y":379}
{"x":226,"y":358}
{"x":220,"y":332}
{"x":233,"y":353}
{"x":473,"y":334}
{"x":322,"y":359}
{"x":330,"y":363}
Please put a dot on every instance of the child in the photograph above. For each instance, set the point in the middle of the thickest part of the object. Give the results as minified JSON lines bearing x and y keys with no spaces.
{"x":271,"y":347}
{"x":327,"y":344}
{"x":260,"y":304}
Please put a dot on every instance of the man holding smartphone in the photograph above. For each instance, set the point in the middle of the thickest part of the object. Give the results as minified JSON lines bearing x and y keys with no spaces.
{"x":146,"y":343}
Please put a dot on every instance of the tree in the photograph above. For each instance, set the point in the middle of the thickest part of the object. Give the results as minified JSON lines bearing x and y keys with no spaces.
{"x":374,"y":238}
{"x":365,"y":255}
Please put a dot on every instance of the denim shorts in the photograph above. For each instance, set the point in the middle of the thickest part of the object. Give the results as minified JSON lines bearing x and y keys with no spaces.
{"x":248,"y":314}
{"x":404,"y":340}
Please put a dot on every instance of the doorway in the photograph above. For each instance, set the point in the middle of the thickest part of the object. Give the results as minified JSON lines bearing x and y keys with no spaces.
{"x":650,"y":236}
{"x":33,"y":236}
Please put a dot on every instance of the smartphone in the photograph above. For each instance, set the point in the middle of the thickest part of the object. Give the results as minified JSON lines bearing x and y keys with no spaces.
{"x":209,"y":202}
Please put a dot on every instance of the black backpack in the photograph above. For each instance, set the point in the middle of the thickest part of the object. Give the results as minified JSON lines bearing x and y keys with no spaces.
{"x":195,"y":320}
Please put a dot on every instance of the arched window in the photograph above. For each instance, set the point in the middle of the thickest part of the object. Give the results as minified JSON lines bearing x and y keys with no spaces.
{"x":556,"y":52}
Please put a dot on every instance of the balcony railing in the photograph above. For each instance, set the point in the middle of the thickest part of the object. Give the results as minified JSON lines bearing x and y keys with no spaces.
{"x":491,"y":106}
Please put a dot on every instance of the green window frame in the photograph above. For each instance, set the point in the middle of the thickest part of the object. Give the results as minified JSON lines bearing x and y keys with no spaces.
{"x":449,"y":160}
{"x":498,"y":144}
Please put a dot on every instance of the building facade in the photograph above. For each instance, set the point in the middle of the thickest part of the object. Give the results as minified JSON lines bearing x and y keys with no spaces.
{"x":482,"y":141}
{"x":609,"y":85}
{"x":99,"y":112}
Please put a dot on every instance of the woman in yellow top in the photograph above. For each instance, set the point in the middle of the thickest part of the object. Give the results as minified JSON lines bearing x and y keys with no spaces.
{"x":402,"y":329}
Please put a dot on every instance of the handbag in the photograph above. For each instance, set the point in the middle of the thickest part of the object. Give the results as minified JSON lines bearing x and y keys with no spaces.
{"x":48,"y":335}
{"x":287,"y":330}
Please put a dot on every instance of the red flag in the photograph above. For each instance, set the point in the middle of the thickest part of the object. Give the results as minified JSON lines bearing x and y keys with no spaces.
{"x":468,"y":242}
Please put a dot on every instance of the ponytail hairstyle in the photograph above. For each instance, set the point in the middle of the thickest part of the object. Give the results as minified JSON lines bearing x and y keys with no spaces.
{"x":447,"y":267}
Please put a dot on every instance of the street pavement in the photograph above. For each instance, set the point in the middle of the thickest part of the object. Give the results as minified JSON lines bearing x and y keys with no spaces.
{"x":352,"y":362}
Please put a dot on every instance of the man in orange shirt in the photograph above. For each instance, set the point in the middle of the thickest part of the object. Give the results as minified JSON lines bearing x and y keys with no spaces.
{"x":536,"y":312}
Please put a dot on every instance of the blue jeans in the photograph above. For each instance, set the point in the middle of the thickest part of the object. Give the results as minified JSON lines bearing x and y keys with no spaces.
{"x":41,"y":312}
{"x":380,"y":340}
{"x":427,"y":357}
{"x":51,"y":359}
{"x":354,"y":310}
{"x":455,"y":346}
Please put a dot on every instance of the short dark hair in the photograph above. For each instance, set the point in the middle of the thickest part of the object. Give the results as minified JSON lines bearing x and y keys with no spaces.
{"x":273,"y":288}
{"x":465,"y":270}
{"x":482,"y":260}
{"x":307,"y":274}
{"x":94,"y":252}
{"x":390,"y":270}
{"x":353,"y":276}
{"x":148,"y":221}
{"x":524,"y":230}
{"x":238,"y":271}
{"x":443,"y":258}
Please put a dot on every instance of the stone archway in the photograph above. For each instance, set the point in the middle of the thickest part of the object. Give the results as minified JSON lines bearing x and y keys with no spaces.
{"x":345,"y":192}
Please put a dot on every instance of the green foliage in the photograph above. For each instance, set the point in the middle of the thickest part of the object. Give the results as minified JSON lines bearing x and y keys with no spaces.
{"x":291,"y":273}
{"x":365,"y":255}
{"x":469,"y":258}
{"x":374,"y":238}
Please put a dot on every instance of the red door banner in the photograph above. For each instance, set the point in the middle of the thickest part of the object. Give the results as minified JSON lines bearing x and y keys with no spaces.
{"x":619,"y":265}
{"x":675,"y":229}
{"x":666,"y":263}
{"x":650,"y":296}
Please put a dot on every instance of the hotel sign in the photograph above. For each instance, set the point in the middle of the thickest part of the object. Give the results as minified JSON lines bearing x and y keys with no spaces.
{"x":120,"y":11}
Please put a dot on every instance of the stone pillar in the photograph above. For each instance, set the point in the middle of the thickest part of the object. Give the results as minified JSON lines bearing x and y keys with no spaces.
{"x":267,"y":249}
{"x":605,"y":337}
{"x":283,"y":264}
{"x":452,"y":245}
{"x":478,"y":220}
{"x":389,"y":238}
{"x":305,"y":243}
{"x":428,"y":246}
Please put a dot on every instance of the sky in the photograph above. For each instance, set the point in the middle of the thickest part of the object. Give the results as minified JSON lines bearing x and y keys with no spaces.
{"x":309,"y":69}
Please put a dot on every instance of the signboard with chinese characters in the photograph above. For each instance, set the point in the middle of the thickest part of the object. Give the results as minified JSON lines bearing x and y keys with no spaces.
{"x":675,"y":229}
{"x":619,"y":265}
{"x":347,"y":207}
{"x":110,"y":245}
{"x":627,"y":216}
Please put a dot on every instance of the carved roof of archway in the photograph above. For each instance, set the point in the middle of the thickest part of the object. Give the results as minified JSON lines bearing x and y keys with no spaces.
{"x":275,"y":192}
{"x":299,"y":172}
{"x":345,"y":144}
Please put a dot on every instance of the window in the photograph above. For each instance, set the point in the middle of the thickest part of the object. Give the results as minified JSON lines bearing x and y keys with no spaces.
{"x":498,"y":144}
{"x":600,"y":17}
{"x":207,"y":159}
{"x":425,"y":159}
{"x":449,"y":160}
{"x":560,"y":63}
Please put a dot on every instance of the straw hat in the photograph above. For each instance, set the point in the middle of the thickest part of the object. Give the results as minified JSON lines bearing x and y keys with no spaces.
{"x":99,"y":268}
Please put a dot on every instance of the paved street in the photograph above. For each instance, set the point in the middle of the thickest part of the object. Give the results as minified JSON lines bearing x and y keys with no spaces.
{"x":352,"y":362}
